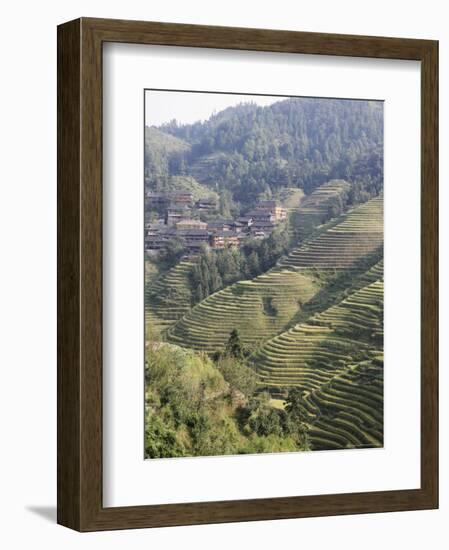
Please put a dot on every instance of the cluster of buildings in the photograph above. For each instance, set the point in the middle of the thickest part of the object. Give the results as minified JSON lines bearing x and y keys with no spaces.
{"x":177,"y":221}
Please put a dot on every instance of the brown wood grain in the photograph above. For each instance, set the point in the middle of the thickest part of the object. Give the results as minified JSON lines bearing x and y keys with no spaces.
{"x":69,"y":408}
{"x":80,"y":274}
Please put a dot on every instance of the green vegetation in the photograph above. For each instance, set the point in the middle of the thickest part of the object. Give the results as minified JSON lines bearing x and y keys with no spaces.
{"x":168,"y":296}
{"x":306,"y":333}
{"x":348,"y":410}
{"x":318,"y":207}
{"x":337,"y":284}
{"x":289,"y":197}
{"x":194,"y":407}
{"x":253,"y":151}
{"x":189,"y":184}
{"x":311,"y":353}
{"x":163,"y":152}
{"x":275,"y":345}
{"x":264,"y":306}
{"x":335,"y":362}
{"x":216,"y":269}
{"x":258,"y":308}
{"x":191,"y":281}
{"x":356,"y":235}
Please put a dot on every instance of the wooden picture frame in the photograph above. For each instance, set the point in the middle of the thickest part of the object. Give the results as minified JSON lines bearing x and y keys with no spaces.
{"x":80,"y":504}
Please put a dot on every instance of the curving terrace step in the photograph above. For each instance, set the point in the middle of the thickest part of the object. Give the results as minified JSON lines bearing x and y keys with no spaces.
{"x":309,"y":353}
{"x":258,"y":308}
{"x":359,"y":233}
{"x":168,"y":298}
{"x":351,"y":403}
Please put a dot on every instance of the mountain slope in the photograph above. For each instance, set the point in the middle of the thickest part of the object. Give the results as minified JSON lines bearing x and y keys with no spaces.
{"x":358,"y":234}
{"x":168,"y":297}
{"x":258,"y":309}
{"x":251,"y":151}
{"x":347,"y":411}
{"x":311,"y":353}
{"x":266,"y":305}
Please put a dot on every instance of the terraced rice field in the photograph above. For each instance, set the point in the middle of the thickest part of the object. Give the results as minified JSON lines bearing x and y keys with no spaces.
{"x":347,"y":411}
{"x":168,"y":298}
{"x":304,"y":357}
{"x":315,"y":321}
{"x":358,"y":234}
{"x":336,"y":355}
{"x":314,"y":208}
{"x":371,"y":275}
{"x":310,"y":354}
{"x":360,"y":314}
{"x":258,"y":308}
{"x":337,"y":284}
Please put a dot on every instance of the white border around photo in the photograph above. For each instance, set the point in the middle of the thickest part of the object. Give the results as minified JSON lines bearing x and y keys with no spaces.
{"x":128,"y":478}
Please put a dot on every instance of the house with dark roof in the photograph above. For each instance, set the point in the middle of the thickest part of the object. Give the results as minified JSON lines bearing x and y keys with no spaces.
{"x":181,"y":198}
{"x":194,"y":238}
{"x":261,"y":215}
{"x":267,"y":227}
{"x":224,"y":239}
{"x":175,"y":215}
{"x":267,"y":204}
{"x":220,"y":225}
{"x":277,"y":211}
{"x":191,"y":224}
{"x":206,"y":204}
{"x":245,"y":221}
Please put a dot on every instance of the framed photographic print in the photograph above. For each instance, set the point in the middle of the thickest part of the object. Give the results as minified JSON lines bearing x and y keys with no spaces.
{"x":247,"y":288}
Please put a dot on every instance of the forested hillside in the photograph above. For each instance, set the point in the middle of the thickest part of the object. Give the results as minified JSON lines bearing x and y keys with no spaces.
{"x":247,"y":152}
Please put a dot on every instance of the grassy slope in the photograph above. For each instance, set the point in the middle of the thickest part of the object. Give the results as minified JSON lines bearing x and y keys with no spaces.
{"x":290,"y":198}
{"x":192,"y":410}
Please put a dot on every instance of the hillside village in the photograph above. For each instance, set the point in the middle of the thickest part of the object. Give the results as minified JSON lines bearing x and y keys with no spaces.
{"x":179,"y":217}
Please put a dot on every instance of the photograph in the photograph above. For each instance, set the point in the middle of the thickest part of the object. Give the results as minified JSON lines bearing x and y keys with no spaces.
{"x":263,"y":263}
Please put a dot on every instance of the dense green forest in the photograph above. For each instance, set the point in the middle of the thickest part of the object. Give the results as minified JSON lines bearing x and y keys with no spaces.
{"x":249,"y":152}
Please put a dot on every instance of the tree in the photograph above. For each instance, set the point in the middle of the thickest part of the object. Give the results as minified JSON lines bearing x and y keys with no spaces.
{"x":295,"y":405}
{"x":225,"y":203}
{"x":253,"y":264}
{"x":267,"y":422}
{"x":174,"y":249}
{"x":161,"y":441}
{"x":238,"y":375}
{"x":234,"y":345}
{"x":248,"y":150}
{"x":297,"y":418}
{"x":205,"y":278}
